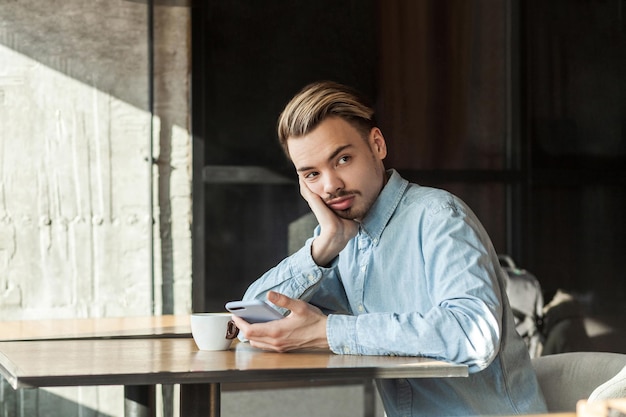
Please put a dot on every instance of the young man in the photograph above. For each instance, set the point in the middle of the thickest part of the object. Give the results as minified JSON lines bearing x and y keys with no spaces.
{"x":393,"y":269}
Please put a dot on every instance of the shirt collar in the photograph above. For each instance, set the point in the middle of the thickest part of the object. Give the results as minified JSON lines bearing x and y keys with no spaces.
{"x":385,"y":205}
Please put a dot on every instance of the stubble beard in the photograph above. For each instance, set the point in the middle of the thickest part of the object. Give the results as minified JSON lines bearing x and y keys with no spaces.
{"x":354,"y":212}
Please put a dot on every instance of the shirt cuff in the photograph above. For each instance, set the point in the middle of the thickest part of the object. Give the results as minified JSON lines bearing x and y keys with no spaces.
{"x":342,"y":335}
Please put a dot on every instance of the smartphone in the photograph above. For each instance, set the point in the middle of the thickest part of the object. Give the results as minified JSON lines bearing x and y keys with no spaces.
{"x":253,"y":311}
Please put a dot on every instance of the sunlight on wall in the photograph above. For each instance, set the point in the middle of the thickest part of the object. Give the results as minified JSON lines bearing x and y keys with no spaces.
{"x":74,"y":206}
{"x":74,"y":211}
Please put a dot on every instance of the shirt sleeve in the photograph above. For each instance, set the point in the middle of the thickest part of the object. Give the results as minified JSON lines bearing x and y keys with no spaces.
{"x":298,"y":276}
{"x":457,"y":278}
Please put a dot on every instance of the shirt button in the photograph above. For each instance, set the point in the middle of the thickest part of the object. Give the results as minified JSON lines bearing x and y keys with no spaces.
{"x":311,"y":278}
{"x":363,"y":268}
{"x":346,"y":349}
{"x":361,"y":308}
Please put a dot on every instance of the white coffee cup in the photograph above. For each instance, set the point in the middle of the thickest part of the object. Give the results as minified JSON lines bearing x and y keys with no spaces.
{"x":209,"y":330}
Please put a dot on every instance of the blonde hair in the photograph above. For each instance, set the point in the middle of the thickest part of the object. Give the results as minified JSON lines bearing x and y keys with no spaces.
{"x":317,"y":101}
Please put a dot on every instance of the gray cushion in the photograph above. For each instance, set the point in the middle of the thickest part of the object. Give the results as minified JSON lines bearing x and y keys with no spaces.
{"x":566,"y":378}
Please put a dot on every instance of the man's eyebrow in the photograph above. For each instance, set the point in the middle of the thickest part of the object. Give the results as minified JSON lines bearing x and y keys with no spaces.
{"x":330,"y":158}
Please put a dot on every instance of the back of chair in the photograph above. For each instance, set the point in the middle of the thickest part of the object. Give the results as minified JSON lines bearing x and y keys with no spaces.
{"x":566,"y":378}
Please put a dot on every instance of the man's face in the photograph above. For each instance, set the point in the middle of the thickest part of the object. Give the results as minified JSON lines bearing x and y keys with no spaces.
{"x":340,"y":166}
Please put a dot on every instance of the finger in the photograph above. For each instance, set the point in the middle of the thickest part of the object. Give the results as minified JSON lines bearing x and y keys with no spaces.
{"x":295,"y":306}
{"x":240,"y":323}
{"x":309,"y":196}
{"x":322,"y":213}
{"x":304,"y":189}
{"x":281,"y":300}
{"x":248,"y":330}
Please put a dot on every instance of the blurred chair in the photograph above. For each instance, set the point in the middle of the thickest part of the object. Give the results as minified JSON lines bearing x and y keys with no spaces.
{"x":566,"y":378}
{"x":299,"y":231}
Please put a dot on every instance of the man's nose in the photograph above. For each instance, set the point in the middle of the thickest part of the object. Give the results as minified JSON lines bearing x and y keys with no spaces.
{"x":332,"y":184}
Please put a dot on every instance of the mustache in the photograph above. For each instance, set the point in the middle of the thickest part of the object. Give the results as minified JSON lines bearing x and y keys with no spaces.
{"x":341,"y":193}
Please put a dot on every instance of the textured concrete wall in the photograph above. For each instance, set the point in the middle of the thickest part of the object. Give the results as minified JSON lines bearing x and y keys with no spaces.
{"x":75,"y":181}
{"x":75,"y":171}
{"x":74,"y":202}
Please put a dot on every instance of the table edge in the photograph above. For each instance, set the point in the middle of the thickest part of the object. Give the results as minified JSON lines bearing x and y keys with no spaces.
{"x":233,"y":376}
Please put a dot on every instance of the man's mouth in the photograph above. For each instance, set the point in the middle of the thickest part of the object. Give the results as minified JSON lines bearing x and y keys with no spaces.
{"x":341,"y":203}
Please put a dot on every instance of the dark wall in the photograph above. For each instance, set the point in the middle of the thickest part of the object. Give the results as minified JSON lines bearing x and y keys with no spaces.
{"x":518,"y":107}
{"x":575,"y":61}
{"x":258,"y":54}
{"x":250,"y":58}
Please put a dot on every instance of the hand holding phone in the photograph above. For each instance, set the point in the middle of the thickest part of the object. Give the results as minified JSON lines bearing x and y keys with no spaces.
{"x":254,"y":311}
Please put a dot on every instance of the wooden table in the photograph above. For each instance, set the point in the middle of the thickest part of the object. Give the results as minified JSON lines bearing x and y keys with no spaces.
{"x":102,"y":327}
{"x":150,"y":361}
{"x":139,"y":399}
{"x":549,"y":415}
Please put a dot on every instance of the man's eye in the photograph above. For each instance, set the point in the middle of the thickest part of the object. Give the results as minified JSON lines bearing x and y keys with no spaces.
{"x":344,"y":159}
{"x":311,"y":175}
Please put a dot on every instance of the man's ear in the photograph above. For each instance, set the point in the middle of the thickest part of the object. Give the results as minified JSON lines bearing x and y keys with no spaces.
{"x":377,"y":142}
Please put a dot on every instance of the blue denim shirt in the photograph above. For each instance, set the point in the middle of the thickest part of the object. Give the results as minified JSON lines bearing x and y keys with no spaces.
{"x":421,"y":278}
